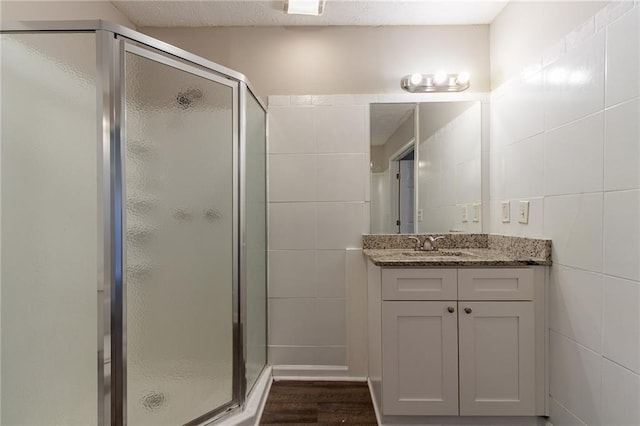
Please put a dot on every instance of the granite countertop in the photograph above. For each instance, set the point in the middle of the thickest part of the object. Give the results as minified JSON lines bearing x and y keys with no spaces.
{"x":458,"y":250}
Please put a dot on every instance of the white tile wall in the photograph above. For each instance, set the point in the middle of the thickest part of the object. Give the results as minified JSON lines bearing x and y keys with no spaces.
{"x":292,"y":130}
{"x":340,"y":225}
{"x":309,"y":355}
{"x":620,"y":395}
{"x":292,"y":226}
{"x":292,"y":273}
{"x":330,"y":273}
{"x":622,"y":234}
{"x":342,"y":129}
{"x":574,"y":222}
{"x":575,"y":374}
{"x":621,"y":322}
{"x":561,"y":416}
{"x":524,"y":161}
{"x":340,"y":177}
{"x":621,"y":150}
{"x":318,"y":160}
{"x":623,"y":59}
{"x":574,"y":84}
{"x":307,"y":322}
{"x":576,"y":305}
{"x":292,"y":177}
{"x":573,"y":157}
{"x":590,"y":183}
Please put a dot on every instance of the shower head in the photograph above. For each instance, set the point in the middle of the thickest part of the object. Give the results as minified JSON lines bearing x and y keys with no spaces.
{"x":187,"y":97}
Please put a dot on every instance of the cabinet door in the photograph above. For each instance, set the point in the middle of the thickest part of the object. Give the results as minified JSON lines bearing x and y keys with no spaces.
{"x":497,"y":358}
{"x":419,"y":358}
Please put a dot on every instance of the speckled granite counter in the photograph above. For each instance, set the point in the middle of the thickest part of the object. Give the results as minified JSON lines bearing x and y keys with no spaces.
{"x":458,"y":250}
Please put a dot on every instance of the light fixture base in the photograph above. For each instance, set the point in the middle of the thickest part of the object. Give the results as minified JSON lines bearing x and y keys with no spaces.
{"x":424,"y":83}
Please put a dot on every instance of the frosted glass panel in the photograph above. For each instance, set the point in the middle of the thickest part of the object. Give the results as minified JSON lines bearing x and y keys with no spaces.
{"x":179,"y":219}
{"x":256,"y":234}
{"x":49,"y":230}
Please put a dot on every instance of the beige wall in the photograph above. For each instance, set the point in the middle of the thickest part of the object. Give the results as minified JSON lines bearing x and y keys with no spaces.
{"x":524,"y":29}
{"x":330,"y":60}
{"x":62,"y":11}
{"x":403,"y":135}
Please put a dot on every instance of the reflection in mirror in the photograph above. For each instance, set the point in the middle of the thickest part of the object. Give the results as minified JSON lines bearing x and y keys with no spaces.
{"x":433,"y":186}
{"x":392,"y":148}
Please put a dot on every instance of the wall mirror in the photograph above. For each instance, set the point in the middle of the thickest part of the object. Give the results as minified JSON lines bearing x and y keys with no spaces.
{"x":426,"y":174}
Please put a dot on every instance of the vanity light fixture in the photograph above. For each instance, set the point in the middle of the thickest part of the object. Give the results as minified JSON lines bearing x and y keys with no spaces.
{"x":304,"y":7}
{"x":438,"y":82}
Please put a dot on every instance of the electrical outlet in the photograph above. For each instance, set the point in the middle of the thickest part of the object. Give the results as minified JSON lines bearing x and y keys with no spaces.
{"x":476,"y":212}
{"x":420,"y":215}
{"x":506,"y":211}
{"x":464,"y":213}
{"x":523,"y":215}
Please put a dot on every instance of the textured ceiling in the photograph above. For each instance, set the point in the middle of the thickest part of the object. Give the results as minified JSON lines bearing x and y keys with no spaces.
{"x":198,"y":13}
{"x":386,"y":118}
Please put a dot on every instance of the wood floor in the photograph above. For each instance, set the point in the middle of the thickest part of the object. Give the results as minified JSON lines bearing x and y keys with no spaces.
{"x":294,"y":402}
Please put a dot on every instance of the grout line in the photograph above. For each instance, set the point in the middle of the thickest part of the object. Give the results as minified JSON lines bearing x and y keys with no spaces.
{"x":635,"y":373}
{"x":603,"y":274}
{"x":573,"y":340}
{"x":569,"y":411}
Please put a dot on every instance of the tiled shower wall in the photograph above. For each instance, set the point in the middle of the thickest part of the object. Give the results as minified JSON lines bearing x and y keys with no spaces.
{"x":565,"y":137}
{"x":318,"y":207}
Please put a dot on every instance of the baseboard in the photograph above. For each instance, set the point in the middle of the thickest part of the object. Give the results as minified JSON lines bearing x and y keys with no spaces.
{"x":314,"y":372}
{"x":254,"y":405}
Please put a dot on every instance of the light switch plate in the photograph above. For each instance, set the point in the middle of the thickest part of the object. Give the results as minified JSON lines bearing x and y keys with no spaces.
{"x":523,"y":212}
{"x":506,"y":211}
{"x":476,"y":213}
{"x":464,"y":213}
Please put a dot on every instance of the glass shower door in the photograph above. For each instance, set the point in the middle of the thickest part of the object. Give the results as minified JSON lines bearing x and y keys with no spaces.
{"x":255,"y":201}
{"x":180,"y":229}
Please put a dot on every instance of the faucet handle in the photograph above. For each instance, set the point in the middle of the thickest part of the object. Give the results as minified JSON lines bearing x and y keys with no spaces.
{"x":417,"y":247}
{"x":433,"y":242}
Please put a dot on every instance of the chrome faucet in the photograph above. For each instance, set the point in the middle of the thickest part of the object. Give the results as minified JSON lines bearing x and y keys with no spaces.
{"x":433,"y":243}
{"x":430,"y":243}
{"x":418,"y":243}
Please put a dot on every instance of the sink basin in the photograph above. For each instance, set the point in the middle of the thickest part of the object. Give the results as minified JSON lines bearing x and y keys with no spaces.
{"x":439,"y":253}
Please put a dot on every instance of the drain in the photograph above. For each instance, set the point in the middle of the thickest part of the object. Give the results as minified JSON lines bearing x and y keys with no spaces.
{"x":153,"y":400}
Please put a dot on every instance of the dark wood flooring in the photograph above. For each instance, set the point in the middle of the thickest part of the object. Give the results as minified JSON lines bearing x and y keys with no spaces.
{"x":318,"y":402}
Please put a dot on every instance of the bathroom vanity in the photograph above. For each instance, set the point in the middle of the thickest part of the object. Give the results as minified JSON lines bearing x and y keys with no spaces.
{"x":458,"y":332}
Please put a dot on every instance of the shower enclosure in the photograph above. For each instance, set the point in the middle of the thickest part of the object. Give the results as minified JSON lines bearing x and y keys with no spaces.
{"x":133,"y":230}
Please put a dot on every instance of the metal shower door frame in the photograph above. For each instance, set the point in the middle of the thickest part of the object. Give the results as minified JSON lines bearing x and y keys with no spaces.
{"x":112,"y":42}
{"x":122,"y":45}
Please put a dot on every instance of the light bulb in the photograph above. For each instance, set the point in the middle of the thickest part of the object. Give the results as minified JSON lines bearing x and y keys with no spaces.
{"x":440,"y":77}
{"x":415,"y":79}
{"x":463,"y":77}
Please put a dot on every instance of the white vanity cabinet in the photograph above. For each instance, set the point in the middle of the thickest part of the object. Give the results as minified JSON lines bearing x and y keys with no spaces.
{"x":459,"y":342}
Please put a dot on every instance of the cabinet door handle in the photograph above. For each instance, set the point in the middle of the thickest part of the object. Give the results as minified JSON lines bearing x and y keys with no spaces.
{"x":451,"y":309}
{"x":468,"y":310}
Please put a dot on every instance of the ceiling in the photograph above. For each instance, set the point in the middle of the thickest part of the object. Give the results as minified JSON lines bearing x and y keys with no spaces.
{"x":386,"y":118}
{"x":205,"y":13}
